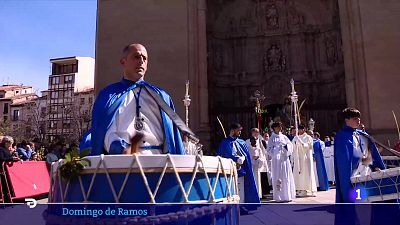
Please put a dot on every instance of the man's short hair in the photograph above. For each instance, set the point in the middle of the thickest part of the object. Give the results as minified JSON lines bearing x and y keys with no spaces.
{"x":255,"y":130}
{"x":292,"y":128}
{"x":351,"y":113}
{"x":275,"y":125}
{"x":316,"y":134}
{"x":127,"y":49}
{"x":301,"y":127}
{"x":235,"y":126}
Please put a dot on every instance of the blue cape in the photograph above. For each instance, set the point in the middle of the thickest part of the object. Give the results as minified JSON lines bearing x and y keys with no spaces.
{"x":226,"y":150}
{"x":346,"y":163}
{"x":105,"y":108}
{"x":321,"y":170}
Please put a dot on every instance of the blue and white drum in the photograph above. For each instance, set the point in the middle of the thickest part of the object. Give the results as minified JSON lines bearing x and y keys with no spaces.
{"x":391,"y":161}
{"x":378,"y":186}
{"x":149,"y":179}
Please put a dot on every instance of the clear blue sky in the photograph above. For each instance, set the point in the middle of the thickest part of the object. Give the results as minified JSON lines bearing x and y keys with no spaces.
{"x":34,"y":31}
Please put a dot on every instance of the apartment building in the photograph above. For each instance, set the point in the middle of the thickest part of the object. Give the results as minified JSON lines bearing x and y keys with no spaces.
{"x":15,"y":108}
{"x":68,"y":76}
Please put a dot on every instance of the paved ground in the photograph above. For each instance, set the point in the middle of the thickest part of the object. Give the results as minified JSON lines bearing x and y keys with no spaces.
{"x":322,"y":197}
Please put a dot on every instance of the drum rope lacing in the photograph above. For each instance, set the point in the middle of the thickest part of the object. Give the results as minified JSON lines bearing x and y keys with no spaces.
{"x":231,"y":196}
{"x":377,"y":180}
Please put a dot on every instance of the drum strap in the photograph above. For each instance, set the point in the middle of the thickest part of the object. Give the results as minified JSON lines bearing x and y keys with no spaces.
{"x":172,"y":115}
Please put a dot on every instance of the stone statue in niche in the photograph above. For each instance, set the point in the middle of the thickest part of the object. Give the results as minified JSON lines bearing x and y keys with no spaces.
{"x":272,"y":17}
{"x":274,"y":60}
{"x":331,"y":51}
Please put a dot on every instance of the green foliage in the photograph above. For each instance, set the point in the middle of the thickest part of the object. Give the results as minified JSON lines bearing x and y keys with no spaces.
{"x":74,"y":164}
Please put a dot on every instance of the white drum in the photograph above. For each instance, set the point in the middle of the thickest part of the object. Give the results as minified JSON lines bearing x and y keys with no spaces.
{"x":149,"y":179}
{"x":379,"y":186}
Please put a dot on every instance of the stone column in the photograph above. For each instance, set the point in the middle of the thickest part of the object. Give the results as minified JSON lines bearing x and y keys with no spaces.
{"x":371,"y":47}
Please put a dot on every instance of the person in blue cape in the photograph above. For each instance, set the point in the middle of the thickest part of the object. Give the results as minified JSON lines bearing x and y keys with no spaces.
{"x":236,"y":149}
{"x":127,"y":119}
{"x":349,"y":155}
{"x":318,"y":146}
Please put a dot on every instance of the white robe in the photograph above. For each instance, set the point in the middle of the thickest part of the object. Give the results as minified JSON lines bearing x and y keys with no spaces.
{"x":123,"y":125}
{"x":329,"y":162}
{"x":190,"y":147}
{"x":258,"y":162}
{"x":361,"y":147}
{"x":303,"y":170}
{"x":281,"y":169}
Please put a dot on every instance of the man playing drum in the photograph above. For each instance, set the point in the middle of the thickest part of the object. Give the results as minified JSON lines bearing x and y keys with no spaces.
{"x":127,"y":118}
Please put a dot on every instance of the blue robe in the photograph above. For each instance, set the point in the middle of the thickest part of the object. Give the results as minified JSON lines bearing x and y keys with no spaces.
{"x":346,"y":163}
{"x":105,"y":108}
{"x":321,"y":170}
{"x":226,"y":150}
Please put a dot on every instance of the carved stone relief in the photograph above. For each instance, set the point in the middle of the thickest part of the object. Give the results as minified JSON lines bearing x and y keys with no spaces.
{"x":263,"y":44}
{"x":274,"y":60}
{"x":272,"y":17}
{"x":331,"y":51}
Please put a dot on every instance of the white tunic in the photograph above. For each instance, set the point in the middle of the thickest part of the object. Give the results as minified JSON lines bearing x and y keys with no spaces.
{"x":258,"y":162}
{"x":303,"y":170}
{"x":123,"y":124}
{"x":281,"y":170}
{"x":361,"y":149}
{"x":329,"y":162}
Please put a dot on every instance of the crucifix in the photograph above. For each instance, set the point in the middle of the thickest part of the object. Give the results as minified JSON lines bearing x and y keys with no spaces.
{"x":258,"y":98}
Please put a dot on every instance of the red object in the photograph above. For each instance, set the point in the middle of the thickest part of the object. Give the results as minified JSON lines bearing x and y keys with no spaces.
{"x":28,"y":179}
{"x":397,"y":146}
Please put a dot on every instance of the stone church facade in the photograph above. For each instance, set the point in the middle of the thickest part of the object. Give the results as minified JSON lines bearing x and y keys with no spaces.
{"x":340,"y":53}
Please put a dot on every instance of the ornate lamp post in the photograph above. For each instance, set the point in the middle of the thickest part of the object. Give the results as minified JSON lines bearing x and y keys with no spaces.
{"x":294,"y":97}
{"x":186,"y":102}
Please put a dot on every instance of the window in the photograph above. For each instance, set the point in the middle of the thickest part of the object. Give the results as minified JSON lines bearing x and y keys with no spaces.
{"x":55,"y":80}
{"x":54,"y":94}
{"x":5,"y":118}
{"x":68,"y":79}
{"x":67,"y":124}
{"x":16,"y":114}
{"x":82,"y":101}
{"x":68,"y":94}
{"x":1,"y":95}
{"x":43,"y":111}
{"x":65,"y":68}
{"x":90,"y":100}
{"x":5,"y":110}
{"x":53,"y":109}
{"x":75,"y":68}
{"x":16,"y":92}
{"x":53,"y":124}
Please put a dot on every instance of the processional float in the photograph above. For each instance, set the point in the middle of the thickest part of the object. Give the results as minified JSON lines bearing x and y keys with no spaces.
{"x":178,"y":179}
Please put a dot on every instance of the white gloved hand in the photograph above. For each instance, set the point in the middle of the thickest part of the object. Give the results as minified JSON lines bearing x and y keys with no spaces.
{"x":241,"y":159}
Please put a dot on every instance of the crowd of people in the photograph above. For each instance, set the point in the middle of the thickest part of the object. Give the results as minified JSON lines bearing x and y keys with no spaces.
{"x":288,"y":164}
{"x":10,"y":150}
